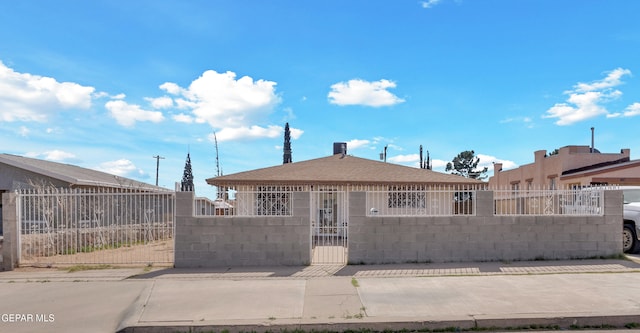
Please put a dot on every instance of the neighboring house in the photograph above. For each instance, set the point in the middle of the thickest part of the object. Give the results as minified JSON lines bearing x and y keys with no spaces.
{"x":572,"y":166}
{"x":23,"y":172}
{"x":17,"y":172}
{"x":204,"y":206}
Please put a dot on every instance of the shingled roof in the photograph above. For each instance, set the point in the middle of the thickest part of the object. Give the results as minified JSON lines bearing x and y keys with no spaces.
{"x":339,"y":169}
{"x":74,"y":175}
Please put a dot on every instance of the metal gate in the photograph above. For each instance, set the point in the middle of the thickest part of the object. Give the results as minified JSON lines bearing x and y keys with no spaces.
{"x":68,"y":227}
{"x":329,"y":227}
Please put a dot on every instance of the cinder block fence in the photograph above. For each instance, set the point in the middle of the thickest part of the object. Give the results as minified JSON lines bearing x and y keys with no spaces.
{"x":206,"y":241}
{"x":215,"y":241}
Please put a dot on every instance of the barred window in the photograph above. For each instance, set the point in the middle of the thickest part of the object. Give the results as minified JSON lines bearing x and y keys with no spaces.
{"x":406,"y":197}
{"x":274,"y":200}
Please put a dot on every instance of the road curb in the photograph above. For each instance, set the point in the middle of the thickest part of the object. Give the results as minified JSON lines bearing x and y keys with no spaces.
{"x":515,"y":323}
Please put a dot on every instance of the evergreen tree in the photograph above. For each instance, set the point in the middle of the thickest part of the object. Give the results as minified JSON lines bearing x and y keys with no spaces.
{"x":465,"y":165}
{"x":286,"y":157}
{"x":187,"y":177}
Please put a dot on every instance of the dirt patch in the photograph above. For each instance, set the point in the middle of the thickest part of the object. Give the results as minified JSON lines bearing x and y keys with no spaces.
{"x":158,"y":253}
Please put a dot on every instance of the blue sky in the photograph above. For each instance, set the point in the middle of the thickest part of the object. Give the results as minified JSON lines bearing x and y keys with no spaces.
{"x":110,"y":84}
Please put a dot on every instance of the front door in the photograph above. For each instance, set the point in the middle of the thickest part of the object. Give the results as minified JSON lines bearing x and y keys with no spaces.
{"x":329,"y":227}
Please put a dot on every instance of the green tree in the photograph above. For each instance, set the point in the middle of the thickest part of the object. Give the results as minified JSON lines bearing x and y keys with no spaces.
{"x":465,"y":165}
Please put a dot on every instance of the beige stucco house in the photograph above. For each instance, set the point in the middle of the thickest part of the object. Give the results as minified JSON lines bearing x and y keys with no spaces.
{"x":572,"y":166}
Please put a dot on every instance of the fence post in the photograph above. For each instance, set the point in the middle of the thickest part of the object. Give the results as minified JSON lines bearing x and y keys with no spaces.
{"x":10,"y":230}
{"x":484,"y":203}
{"x":184,"y":204}
{"x":613,"y":204}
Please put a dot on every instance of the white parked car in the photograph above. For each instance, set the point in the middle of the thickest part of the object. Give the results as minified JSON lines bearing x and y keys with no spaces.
{"x":631,"y":216}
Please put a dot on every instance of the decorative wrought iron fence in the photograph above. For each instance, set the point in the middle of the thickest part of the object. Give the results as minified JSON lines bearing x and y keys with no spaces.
{"x":265,"y":201}
{"x":577,"y":201}
{"x":419,"y":200}
{"x":106,"y":226}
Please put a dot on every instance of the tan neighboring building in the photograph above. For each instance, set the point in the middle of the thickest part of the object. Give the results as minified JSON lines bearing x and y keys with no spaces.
{"x":572,"y":166}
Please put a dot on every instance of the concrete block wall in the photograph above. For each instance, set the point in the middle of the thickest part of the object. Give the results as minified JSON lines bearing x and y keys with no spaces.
{"x":484,"y":237}
{"x":255,"y":241}
{"x":10,"y":232}
{"x":242,"y":241}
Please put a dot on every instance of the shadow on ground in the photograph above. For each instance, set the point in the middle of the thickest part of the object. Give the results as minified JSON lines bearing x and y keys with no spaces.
{"x":394,"y":270}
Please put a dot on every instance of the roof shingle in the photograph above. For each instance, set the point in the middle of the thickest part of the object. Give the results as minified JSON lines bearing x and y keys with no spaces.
{"x":338,"y":169}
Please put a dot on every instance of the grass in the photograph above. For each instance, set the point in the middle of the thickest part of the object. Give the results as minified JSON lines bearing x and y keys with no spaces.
{"x":354,"y":282}
{"x":78,"y":268}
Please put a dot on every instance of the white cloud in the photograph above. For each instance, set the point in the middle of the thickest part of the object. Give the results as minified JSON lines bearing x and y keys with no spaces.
{"x":429,"y":3}
{"x":171,"y":88}
{"x":613,"y":79}
{"x":229,"y":134}
{"x":58,"y":155}
{"x":356,"y":143}
{"x":53,"y":155}
{"x":128,"y":114}
{"x":163,"y":102}
{"x":289,"y":112}
{"x":359,"y":92}
{"x":295,"y":133}
{"x":183,"y":118}
{"x":254,"y":132}
{"x":27,"y":97}
{"x":632,"y":110}
{"x":224,"y":102}
{"x":580,"y":107}
{"x":488,"y":160}
{"x":23,"y":131}
{"x":586,"y":99}
{"x":121,"y":167}
{"x":405,"y":159}
{"x":439,"y":164}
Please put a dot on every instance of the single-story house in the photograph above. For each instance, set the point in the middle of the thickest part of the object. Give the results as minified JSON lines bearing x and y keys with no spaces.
{"x":19,"y":172}
{"x":338,"y":170}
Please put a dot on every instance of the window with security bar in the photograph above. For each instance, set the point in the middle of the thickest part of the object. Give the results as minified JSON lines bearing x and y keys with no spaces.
{"x":274,"y":200}
{"x":406,"y":197}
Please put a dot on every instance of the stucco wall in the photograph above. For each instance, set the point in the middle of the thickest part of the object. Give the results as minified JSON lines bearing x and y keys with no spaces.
{"x":546,"y":166}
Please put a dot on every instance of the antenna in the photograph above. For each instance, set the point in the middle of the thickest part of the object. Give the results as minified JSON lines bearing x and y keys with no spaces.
{"x":158,"y":158}
{"x":218,"y":173}
{"x":383,"y":155}
{"x":593,"y":148}
{"x":215,"y":141}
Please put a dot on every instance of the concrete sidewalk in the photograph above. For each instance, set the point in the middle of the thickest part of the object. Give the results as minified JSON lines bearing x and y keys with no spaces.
{"x":392,"y":297}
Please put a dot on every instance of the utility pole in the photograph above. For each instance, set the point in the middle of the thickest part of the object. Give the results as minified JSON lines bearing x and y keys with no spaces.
{"x":157,"y":157}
